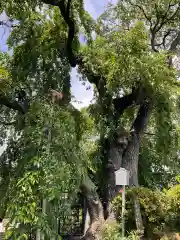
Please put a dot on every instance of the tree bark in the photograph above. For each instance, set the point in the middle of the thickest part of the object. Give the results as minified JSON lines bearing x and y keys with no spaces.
{"x":12,"y":104}
{"x":94,"y":207}
{"x":86,"y":222}
{"x":131,"y":156}
{"x":109,"y":189}
{"x":38,"y":234}
{"x":131,"y":163}
{"x":118,"y":152}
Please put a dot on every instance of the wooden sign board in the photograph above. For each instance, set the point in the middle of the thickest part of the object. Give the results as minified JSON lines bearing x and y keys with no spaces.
{"x":122,"y":177}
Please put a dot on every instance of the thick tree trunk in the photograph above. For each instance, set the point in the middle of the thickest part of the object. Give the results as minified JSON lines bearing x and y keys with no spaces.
{"x":109,"y":185}
{"x":130,"y":159}
{"x":94,"y":207}
{"x":38,"y":234}
{"x":120,"y":152}
{"x":3,"y":198}
{"x":112,"y":161}
{"x":131,"y":156}
{"x":130,"y":162}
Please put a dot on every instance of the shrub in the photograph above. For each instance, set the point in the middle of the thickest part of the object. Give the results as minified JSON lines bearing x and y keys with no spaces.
{"x":160,"y":210}
{"x":153,"y":206}
{"x":113,"y":233}
{"x":173,"y":214}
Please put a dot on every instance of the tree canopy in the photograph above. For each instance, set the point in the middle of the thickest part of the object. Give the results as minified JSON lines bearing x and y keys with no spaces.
{"x":128,"y":57}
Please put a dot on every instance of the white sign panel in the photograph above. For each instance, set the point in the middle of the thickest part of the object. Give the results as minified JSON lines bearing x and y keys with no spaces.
{"x":122,"y":177}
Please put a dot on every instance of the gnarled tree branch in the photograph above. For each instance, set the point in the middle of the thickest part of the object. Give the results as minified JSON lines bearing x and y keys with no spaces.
{"x":161,"y":20}
{"x":173,"y":48}
{"x":7,"y":24}
{"x":175,"y":43}
{"x":141,"y":120}
{"x":7,"y":123}
{"x":166,"y":34}
{"x":65,"y":11}
{"x":134,"y":98}
{"x":76,"y":60}
{"x":92,"y":77}
{"x":12,"y":104}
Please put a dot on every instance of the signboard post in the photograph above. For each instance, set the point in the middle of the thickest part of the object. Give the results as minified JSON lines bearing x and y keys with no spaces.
{"x":123,"y":210}
{"x":122,"y":178}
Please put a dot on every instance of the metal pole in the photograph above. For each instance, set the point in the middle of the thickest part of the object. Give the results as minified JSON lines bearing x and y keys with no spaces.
{"x":123,"y":210}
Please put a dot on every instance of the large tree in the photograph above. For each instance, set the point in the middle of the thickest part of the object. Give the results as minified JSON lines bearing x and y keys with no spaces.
{"x":130,"y":65}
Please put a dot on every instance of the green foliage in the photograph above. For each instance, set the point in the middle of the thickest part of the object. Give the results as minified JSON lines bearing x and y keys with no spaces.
{"x":152,"y":10}
{"x":158,"y":160}
{"x":5,"y":80}
{"x":178,"y":178}
{"x":152,"y":203}
{"x":174,"y":212}
{"x":160,"y":210}
{"x":131,"y":61}
{"x":39,"y":60}
{"x":47,"y":160}
{"x":127,"y":51}
{"x":49,"y":164}
{"x":24,"y":208}
{"x":113,"y":232}
{"x":90,"y":128}
{"x":48,"y":152}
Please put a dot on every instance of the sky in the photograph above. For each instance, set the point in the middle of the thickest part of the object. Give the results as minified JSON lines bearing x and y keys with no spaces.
{"x":83,"y":96}
{"x":95,"y":8}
